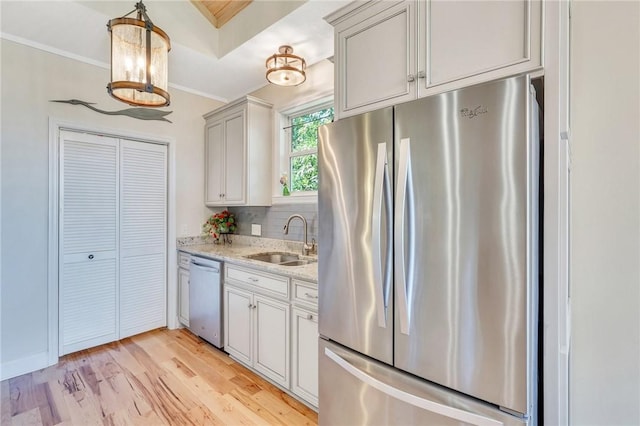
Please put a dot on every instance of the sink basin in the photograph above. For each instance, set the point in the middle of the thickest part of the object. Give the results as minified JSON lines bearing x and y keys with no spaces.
{"x":297,"y":262}
{"x":274,"y":257}
{"x":278,"y":258}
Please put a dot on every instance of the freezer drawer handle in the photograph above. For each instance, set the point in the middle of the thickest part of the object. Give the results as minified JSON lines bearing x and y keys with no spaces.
{"x":382,"y":187}
{"x":416,"y":401}
{"x":404,"y":207}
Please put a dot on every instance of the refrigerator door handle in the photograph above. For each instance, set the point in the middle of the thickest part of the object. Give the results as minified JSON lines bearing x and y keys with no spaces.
{"x":404,"y":211}
{"x":382,"y":187}
{"x":408,"y":398}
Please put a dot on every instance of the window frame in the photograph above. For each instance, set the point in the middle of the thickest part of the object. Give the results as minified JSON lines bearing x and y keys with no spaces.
{"x":283,"y":154}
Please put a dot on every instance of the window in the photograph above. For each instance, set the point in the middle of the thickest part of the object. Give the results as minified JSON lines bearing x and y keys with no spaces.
{"x":301,"y":146}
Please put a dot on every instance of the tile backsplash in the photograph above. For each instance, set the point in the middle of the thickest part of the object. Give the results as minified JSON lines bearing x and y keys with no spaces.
{"x":274,"y":218}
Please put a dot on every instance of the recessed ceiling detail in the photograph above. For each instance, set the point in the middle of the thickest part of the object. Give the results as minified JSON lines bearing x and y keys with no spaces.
{"x":219,"y":12}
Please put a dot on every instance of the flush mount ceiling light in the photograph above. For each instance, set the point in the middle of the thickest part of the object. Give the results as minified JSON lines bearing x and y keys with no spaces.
{"x":139,"y":65}
{"x":285,"y":68}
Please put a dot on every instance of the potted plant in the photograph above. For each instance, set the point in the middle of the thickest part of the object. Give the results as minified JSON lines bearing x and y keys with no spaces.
{"x":219,"y":224}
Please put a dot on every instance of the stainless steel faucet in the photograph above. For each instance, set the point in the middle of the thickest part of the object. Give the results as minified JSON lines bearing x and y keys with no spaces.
{"x":306,"y":248}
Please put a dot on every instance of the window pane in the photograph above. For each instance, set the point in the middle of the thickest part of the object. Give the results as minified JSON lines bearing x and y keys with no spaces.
{"x":304,"y":129}
{"x":304,"y":173}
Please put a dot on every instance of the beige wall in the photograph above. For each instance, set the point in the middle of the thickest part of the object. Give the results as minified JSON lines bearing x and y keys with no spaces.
{"x":30,"y":78}
{"x":605,"y":213}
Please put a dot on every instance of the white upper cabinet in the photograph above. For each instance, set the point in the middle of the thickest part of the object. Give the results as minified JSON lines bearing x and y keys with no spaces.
{"x":474,"y":41}
{"x":387,"y":53}
{"x":375,"y":57}
{"x":238,"y":154}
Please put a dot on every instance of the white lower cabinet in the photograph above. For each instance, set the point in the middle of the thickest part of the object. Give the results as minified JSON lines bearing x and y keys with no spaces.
{"x":183,"y":296}
{"x":304,"y":355}
{"x":271,"y":350}
{"x":184,"y":259}
{"x":272,"y":329}
{"x":238,"y":329}
{"x":257,"y":332}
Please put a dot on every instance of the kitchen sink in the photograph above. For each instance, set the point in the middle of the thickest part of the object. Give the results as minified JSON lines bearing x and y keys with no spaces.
{"x":297,"y":262}
{"x":278,"y":258}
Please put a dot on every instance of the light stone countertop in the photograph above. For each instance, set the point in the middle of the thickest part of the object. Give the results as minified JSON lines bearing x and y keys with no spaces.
{"x":236,"y":253}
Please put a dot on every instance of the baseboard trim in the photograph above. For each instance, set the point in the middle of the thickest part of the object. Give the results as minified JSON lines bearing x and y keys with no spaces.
{"x":11,"y":369}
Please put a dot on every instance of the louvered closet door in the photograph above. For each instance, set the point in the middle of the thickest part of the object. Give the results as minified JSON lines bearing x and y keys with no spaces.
{"x":88,"y":241}
{"x":143,"y":237}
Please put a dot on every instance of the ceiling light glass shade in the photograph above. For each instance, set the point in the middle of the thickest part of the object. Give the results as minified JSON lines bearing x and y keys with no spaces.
{"x":285,"y":68}
{"x":139,"y":61}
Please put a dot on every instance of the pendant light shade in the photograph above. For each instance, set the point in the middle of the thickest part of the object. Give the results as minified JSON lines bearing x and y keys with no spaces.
{"x":286,"y":69}
{"x":139,"y":60}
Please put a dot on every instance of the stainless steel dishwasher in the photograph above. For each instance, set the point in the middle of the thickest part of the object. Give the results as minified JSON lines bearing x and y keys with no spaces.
{"x":205,"y":299}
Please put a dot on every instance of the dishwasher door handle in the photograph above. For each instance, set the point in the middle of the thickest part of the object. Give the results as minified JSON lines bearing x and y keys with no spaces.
{"x":205,"y":267}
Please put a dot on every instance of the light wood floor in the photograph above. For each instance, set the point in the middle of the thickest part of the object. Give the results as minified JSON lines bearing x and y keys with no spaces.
{"x":164,"y":377}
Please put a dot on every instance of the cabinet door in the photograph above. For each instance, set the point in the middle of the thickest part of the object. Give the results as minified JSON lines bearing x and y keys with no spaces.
{"x":238,"y":332}
{"x":88,"y":241}
{"x":234,"y":156}
{"x":143,"y":237}
{"x":214,"y":163}
{"x":375,"y":64}
{"x":477,"y":40}
{"x":271,"y":356}
{"x":305,"y":355}
{"x":183,"y":296}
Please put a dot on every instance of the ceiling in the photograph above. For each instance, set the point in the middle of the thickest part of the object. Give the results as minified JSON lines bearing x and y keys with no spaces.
{"x":221,"y":63}
{"x":219,"y":12}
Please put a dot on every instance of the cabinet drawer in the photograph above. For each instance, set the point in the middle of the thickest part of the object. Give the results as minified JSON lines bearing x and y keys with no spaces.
{"x":184,"y":259}
{"x":274,"y":284}
{"x":304,"y":292}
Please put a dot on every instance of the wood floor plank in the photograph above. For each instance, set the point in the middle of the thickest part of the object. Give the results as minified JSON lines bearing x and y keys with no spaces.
{"x":55,"y":398}
{"x":125,"y":360}
{"x":5,"y":403}
{"x":164,"y":377}
{"x":254,"y":406}
{"x":28,"y":417}
{"x":280,"y":405}
{"x":207,"y":396}
{"x":216,"y":375}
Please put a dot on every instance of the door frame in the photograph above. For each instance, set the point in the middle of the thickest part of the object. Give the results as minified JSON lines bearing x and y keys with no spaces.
{"x":55,"y":126}
{"x":556,"y":317}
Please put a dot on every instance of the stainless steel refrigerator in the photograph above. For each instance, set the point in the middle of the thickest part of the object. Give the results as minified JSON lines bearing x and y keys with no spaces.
{"x":428,"y":261}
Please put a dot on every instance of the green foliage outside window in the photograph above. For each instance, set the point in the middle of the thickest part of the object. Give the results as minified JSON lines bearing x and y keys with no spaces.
{"x":304,"y":148}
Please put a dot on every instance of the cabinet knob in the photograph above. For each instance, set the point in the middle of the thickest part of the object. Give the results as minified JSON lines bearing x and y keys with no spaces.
{"x":254,"y":306}
{"x":253,"y":280}
{"x":90,"y":256}
{"x":250,"y":306}
{"x":309,"y":316}
{"x":411,"y":78}
{"x":422,"y":74}
{"x":310,"y":296}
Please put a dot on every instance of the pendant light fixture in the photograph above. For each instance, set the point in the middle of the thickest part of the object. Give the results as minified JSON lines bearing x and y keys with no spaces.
{"x":286,"y":69}
{"x":139,"y":60}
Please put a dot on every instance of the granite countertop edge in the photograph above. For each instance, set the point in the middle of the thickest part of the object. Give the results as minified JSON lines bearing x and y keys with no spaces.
{"x":236,"y":255}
